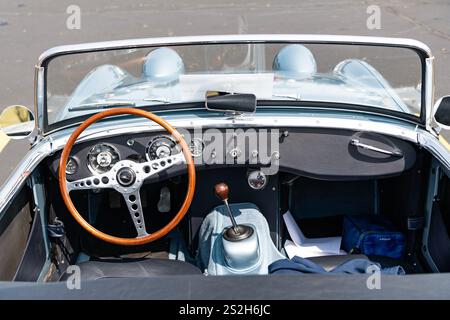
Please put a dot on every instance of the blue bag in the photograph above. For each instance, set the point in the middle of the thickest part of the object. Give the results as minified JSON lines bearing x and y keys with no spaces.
{"x":372,"y":235}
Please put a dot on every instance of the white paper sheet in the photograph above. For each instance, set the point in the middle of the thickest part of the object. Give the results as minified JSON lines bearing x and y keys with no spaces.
{"x":308,"y":247}
{"x":293,"y":250}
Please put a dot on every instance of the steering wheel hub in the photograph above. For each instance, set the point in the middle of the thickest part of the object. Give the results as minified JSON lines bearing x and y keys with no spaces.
{"x":126,"y":177}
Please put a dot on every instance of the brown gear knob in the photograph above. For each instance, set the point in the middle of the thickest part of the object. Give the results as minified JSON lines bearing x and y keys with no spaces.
{"x":221,"y":190}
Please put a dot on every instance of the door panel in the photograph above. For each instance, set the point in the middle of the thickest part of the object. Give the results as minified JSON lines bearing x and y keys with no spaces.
{"x":15,"y":226}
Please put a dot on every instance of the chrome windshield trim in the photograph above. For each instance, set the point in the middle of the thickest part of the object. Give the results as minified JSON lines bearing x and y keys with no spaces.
{"x":215,"y":39}
{"x":429,"y":92}
{"x":39,"y":98}
{"x":242,"y":38}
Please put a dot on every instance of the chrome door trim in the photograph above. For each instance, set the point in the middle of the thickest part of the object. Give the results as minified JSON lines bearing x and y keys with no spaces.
{"x":433,"y":145}
{"x":22,"y":172}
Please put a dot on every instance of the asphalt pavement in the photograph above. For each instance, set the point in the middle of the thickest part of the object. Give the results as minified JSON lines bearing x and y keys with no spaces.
{"x":27,"y":28}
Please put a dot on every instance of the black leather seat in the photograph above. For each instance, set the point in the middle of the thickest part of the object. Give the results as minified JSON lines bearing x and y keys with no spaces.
{"x":130,"y":268}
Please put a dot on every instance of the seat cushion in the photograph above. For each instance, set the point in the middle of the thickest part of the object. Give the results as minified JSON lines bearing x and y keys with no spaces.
{"x":132,"y":268}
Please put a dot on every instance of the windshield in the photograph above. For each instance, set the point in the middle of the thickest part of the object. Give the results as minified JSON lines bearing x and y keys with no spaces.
{"x":387,"y":78}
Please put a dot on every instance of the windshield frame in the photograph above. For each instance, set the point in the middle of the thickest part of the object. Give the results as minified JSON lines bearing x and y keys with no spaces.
{"x":420,"y":49}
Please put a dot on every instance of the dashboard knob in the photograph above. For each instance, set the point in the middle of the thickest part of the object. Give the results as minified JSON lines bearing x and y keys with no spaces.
{"x":234,"y":153}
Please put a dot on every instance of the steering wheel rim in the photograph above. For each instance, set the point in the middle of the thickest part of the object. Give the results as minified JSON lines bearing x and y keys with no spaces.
{"x":139,"y":240}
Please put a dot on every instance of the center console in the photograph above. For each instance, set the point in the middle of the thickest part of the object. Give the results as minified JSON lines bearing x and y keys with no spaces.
{"x":265,"y":199}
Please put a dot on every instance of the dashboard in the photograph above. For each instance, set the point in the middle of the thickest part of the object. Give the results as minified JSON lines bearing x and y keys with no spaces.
{"x":331,"y":154}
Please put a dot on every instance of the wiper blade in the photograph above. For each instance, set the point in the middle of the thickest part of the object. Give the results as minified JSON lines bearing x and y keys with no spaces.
{"x":296,"y":98}
{"x":161,"y":100}
{"x":102,"y":105}
{"x":114,"y":104}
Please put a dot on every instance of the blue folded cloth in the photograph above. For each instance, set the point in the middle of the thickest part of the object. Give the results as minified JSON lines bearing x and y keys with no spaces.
{"x":355,"y":266}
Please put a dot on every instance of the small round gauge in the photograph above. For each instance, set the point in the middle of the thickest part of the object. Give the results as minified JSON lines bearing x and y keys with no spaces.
{"x":71,"y":166}
{"x":161,"y":147}
{"x":102,"y":157}
{"x":196,"y":147}
{"x":257,"y":179}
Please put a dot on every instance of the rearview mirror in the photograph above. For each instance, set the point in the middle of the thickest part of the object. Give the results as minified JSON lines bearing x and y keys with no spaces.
{"x":230,"y":102}
{"x":17,"y":122}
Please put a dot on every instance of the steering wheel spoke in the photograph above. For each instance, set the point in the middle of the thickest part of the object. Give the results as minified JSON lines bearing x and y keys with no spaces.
{"x":133,"y":201}
{"x":156,"y":166}
{"x":103,"y":181}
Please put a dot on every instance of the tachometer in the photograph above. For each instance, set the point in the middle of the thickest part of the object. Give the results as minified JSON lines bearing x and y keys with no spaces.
{"x":102,"y":157}
{"x":161,"y":147}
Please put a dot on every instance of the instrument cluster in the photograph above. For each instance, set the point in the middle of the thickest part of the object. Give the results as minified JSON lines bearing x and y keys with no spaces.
{"x":101,"y":157}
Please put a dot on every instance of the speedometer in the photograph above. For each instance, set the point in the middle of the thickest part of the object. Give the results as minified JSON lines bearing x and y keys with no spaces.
{"x":161,"y":147}
{"x":102,"y":157}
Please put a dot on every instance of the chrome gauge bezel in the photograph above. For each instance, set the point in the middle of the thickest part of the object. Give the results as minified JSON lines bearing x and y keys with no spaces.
{"x":77,"y":166}
{"x":93,"y":170}
{"x":198,"y":140}
{"x":260,"y":172}
{"x":155,"y":140}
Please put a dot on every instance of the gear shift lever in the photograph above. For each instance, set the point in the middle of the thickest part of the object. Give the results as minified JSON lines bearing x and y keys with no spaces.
{"x":236,"y":232}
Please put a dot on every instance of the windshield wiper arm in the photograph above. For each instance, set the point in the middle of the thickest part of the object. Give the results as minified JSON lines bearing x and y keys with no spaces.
{"x":102,"y":105}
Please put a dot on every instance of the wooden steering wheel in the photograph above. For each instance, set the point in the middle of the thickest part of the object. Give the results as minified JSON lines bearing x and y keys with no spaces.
{"x":127,"y":177}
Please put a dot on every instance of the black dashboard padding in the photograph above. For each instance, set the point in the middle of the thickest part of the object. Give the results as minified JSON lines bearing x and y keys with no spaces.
{"x":328,"y":154}
{"x":313,"y":152}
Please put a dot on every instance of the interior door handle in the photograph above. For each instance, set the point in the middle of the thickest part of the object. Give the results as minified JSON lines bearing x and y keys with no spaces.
{"x":359,"y":144}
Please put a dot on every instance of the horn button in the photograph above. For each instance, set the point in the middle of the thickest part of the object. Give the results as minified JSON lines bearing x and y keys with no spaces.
{"x":126,"y":177}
